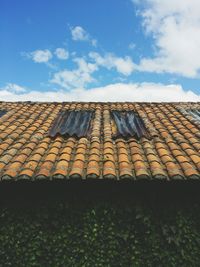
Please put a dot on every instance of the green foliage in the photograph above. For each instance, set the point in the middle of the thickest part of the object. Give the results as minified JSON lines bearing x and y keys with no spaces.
{"x":100,"y":234}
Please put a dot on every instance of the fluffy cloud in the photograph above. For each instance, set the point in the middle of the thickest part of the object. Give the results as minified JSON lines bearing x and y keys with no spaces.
{"x":175,"y":28}
{"x":79,"y":77}
{"x":44,"y":56}
{"x":144,"y":92}
{"x":14,"y":88}
{"x":79,"y":34}
{"x":40,"y":56}
{"x":82,"y":75}
{"x":124,"y":65}
{"x":62,"y":53}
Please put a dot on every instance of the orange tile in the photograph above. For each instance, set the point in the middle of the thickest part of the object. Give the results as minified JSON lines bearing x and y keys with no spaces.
{"x":173,"y":150}
{"x":109,"y":169}
{"x":157,"y":169}
{"x":51,"y":157}
{"x":195,"y":158}
{"x":54,"y":150}
{"x":67,"y":150}
{"x":189,"y":170}
{"x":40,"y":151}
{"x":177,"y":153}
{"x":78,"y":164}
{"x":65,"y":157}
{"x":152,"y":158}
{"x":79,"y":157}
{"x":123,"y":158}
{"x":94,"y":157}
{"x":137,"y":157}
{"x":2,"y":165}
{"x":181,"y":159}
{"x":61,"y":168}
{"x":26,"y":172}
{"x":140,"y":168}
{"x":31,"y":165}
{"x":6,"y":159}
{"x":93,"y":169}
{"x":108,"y":151}
{"x":36,"y":157}
{"x":81,"y":150}
{"x":13,"y":169}
{"x":135,"y":150}
{"x":21,"y":158}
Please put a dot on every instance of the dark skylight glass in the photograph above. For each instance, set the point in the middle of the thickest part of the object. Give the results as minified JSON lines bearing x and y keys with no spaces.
{"x":2,"y":112}
{"x":129,"y":124}
{"x":72,"y":123}
{"x":195,"y":113}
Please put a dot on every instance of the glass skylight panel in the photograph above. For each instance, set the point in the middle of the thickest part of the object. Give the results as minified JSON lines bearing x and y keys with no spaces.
{"x":129,"y":124}
{"x":72,"y":123}
{"x":195,"y":113}
{"x":2,"y":112}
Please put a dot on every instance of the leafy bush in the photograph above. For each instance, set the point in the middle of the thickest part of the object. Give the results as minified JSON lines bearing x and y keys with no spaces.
{"x":102,"y":233}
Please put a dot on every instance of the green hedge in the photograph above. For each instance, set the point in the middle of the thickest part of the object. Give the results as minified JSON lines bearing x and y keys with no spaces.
{"x":100,"y":234}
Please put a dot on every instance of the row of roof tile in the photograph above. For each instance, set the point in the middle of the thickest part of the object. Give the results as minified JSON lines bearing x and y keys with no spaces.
{"x":27,"y":151}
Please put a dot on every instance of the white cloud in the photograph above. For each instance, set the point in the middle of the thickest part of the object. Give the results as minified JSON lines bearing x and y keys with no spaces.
{"x":85,"y":66}
{"x":82,"y":75}
{"x":14,"y":88}
{"x":124,"y":65}
{"x":70,"y":79}
{"x":79,"y":34}
{"x":62,"y":53}
{"x":40,"y":56}
{"x":175,"y":28}
{"x":79,"y":77}
{"x":136,"y":92}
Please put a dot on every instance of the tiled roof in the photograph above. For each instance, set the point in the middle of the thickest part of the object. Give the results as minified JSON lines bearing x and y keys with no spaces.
{"x":28,"y":152}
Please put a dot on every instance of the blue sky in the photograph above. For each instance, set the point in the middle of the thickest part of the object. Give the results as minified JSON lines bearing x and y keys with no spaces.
{"x":108,"y":50}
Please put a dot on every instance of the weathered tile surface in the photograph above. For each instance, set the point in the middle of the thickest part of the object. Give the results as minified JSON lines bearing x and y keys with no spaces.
{"x":28,"y":152}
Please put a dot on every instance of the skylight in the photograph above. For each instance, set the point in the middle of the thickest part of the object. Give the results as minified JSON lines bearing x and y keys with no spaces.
{"x":72,"y":123}
{"x":2,"y":112}
{"x":129,"y":124}
{"x":195,"y":113}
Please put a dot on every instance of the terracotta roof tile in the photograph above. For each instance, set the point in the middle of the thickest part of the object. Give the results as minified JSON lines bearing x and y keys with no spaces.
{"x":27,"y":152}
{"x":61,"y":169}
